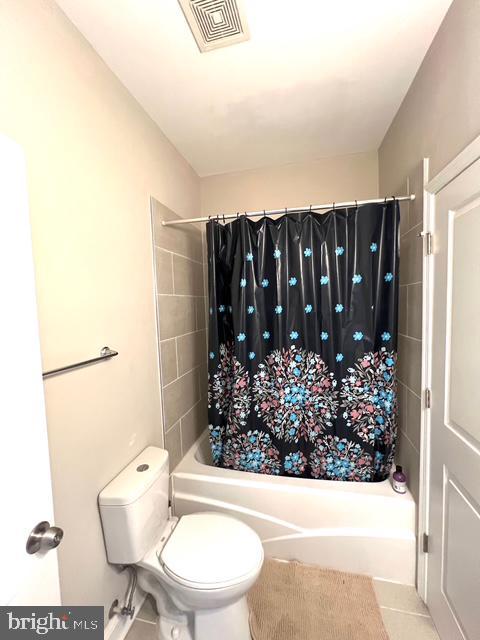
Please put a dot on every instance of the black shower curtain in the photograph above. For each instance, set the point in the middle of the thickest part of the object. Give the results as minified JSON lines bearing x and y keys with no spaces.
{"x":302,"y":343}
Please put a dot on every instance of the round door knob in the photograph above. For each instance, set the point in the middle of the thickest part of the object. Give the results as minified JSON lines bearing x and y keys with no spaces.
{"x":43,"y":538}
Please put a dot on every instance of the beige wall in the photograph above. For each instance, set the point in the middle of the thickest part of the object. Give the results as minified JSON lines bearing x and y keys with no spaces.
{"x":180,"y":270}
{"x":439,"y":116}
{"x":338,"y":178}
{"x":94,"y":159}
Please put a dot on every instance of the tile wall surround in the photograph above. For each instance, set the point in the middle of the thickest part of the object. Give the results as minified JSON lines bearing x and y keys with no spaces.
{"x":410,"y":329}
{"x":180,"y":259}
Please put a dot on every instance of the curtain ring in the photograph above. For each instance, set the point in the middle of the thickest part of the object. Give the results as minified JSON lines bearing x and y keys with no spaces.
{"x":264,"y":214}
{"x":286,"y":211}
{"x":310,"y":208}
{"x":238,"y":213}
{"x":334,"y":206}
{"x":218,"y":217}
{"x":223,"y":218}
{"x":385,"y":201}
{"x":209,"y":218}
{"x":356,"y":204}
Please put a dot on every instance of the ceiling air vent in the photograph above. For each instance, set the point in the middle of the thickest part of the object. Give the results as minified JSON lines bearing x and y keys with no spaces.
{"x":215,"y":23}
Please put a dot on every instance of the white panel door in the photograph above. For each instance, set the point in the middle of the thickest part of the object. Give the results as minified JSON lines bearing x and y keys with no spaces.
{"x":26,"y":494}
{"x":453,"y":579}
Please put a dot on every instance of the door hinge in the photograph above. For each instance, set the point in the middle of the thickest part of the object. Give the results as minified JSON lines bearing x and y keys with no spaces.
{"x":427,"y":236}
{"x":427,"y":398}
{"x":425,"y":543}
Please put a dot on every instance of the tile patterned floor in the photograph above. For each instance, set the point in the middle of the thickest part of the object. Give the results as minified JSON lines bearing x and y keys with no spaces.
{"x":405,"y":615}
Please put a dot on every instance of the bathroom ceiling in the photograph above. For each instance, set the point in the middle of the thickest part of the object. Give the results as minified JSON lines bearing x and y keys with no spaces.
{"x":316,"y":78}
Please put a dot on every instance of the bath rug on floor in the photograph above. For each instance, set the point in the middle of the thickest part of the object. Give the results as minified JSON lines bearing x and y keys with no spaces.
{"x":293,"y":601}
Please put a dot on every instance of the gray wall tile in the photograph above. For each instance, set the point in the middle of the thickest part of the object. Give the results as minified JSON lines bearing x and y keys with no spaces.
{"x":180,"y":253}
{"x":187,"y":276}
{"x":168,"y":361}
{"x":193,"y":423}
{"x":411,"y":257}
{"x":191,"y":350}
{"x":185,"y":239}
{"x":173,"y":444}
{"x":402,"y":310}
{"x":179,"y":397}
{"x":203,"y":379}
{"x":404,"y":217}
{"x":402,"y":406}
{"x":200,"y":313}
{"x":410,"y":328}
{"x":163,"y":271}
{"x":414,"y":320}
{"x":413,"y":421}
{"x":176,"y":314}
{"x":410,"y":362}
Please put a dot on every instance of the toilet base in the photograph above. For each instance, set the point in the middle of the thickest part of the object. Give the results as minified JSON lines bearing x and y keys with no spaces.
{"x":210,"y":624}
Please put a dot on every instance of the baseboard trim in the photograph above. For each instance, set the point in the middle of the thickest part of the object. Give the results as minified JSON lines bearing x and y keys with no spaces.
{"x":118,"y":627}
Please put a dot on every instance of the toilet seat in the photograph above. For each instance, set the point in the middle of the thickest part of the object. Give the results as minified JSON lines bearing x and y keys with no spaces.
{"x":211,"y":551}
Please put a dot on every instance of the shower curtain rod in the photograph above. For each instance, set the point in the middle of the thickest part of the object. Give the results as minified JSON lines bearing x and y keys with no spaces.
{"x":272,"y":212}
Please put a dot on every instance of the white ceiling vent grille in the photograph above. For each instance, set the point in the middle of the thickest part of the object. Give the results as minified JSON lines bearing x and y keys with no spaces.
{"x":215,"y":23}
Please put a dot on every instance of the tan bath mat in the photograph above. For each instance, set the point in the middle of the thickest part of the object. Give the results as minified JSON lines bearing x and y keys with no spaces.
{"x":293,"y":601}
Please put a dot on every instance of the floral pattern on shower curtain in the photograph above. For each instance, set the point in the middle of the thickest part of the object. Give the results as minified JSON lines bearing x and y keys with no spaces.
{"x":302,"y":343}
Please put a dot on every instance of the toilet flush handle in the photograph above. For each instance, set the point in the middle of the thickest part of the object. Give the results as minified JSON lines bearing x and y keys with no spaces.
{"x":43,"y":538}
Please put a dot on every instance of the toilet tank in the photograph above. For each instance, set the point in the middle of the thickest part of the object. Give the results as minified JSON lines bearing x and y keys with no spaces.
{"x":134,"y":507}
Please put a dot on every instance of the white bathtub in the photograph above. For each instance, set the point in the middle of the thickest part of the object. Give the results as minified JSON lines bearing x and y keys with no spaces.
{"x":350,"y":526}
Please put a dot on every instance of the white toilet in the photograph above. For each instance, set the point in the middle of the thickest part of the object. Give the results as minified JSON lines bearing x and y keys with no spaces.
{"x":198,"y":568}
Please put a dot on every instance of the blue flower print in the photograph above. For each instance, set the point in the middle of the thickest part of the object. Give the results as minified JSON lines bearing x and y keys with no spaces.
{"x":211,"y":355}
{"x":293,"y":281}
{"x":293,"y":335}
{"x":324,"y":280}
{"x":307,"y":253}
{"x":308,"y":308}
{"x":295,"y":463}
{"x":241,"y":337}
{"x":250,"y":309}
{"x":388,"y":277}
{"x":230,"y":308}
{"x":373,"y":247}
{"x":338,"y":308}
{"x":278,"y":309}
{"x":251,"y":355}
{"x":265,"y":283}
{"x":277,"y":253}
{"x":357,"y":278}
{"x":249,"y":257}
{"x":221,"y":308}
{"x":339,"y":357}
{"x":357,"y":336}
{"x":324,"y":336}
{"x":266,"y":335}
{"x":243,"y":282}
{"x":210,"y":310}
{"x":386,"y":336}
{"x":389,"y":362}
{"x":339,"y":251}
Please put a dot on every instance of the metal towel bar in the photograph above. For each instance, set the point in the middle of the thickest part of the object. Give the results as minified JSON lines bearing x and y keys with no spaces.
{"x":105,"y":354}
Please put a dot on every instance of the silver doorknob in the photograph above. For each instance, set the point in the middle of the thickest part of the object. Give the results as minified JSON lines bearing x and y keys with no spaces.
{"x":44,"y":537}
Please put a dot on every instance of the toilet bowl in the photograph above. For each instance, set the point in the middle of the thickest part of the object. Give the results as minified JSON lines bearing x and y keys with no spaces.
{"x":198,"y":568}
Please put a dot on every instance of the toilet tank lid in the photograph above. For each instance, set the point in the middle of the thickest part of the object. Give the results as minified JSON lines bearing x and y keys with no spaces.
{"x":136,"y":478}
